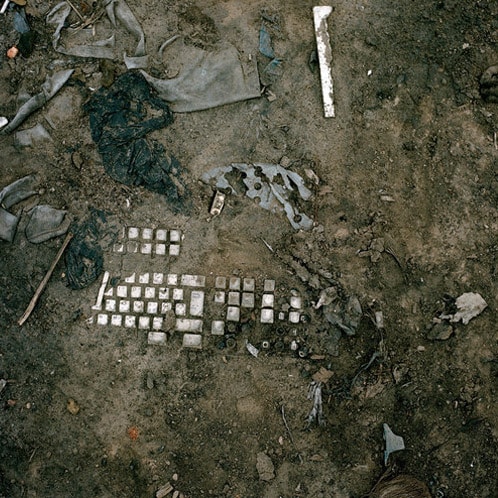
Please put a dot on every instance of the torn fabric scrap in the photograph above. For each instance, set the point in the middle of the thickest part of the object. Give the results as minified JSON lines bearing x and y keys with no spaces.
{"x":12,"y":194}
{"x":121,"y":118}
{"x":50,"y":87}
{"x":81,"y":42}
{"x":208,"y":79}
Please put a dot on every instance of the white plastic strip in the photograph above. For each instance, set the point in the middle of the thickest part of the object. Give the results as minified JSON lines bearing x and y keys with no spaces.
{"x":320,"y":15}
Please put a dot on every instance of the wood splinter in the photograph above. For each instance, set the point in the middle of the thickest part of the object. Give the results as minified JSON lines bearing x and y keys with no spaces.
{"x":45,"y":280}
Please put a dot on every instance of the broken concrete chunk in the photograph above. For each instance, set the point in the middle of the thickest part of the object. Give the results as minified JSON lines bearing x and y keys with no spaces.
{"x":265,"y":467}
{"x":393,"y":442}
{"x":469,"y":305}
{"x":72,"y":406}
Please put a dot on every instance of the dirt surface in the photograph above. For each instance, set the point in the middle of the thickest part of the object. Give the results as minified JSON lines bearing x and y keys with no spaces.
{"x":405,"y":189}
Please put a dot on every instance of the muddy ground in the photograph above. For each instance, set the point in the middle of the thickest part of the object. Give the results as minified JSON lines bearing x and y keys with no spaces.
{"x":410,"y":160}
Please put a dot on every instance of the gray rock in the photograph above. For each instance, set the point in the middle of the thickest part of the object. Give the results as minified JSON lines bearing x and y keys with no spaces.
{"x":265,"y":467}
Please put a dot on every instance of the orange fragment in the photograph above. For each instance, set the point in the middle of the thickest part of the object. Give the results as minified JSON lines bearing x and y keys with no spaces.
{"x":12,"y":52}
{"x":133,"y":433}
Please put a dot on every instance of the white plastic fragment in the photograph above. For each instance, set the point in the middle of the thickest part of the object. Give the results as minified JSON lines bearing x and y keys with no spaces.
{"x":252,"y":349}
{"x":3,"y":383}
{"x":192,"y":341}
{"x":393,"y":442}
{"x":316,"y":413}
{"x":164,"y":490}
{"x":4,"y":7}
{"x":3,"y":121}
{"x":469,"y":305}
{"x":193,"y":280}
{"x":327,"y":296}
{"x":217,"y":327}
{"x":98,"y":305}
{"x":156,"y":338}
{"x":196,"y":303}
{"x":188,"y":325}
{"x":320,"y":15}
{"x":217,"y":204}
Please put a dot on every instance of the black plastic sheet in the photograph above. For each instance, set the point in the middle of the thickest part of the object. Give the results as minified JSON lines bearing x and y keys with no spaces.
{"x":120,"y":122}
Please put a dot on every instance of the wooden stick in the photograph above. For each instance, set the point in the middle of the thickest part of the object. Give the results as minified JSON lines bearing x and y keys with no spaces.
{"x":76,"y":10}
{"x":43,"y":283}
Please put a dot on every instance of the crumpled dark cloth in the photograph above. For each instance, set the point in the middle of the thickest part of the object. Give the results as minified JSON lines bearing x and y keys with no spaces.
{"x":120,"y":123}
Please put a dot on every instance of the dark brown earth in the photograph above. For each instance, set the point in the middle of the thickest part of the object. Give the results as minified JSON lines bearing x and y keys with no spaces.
{"x":410,"y":158}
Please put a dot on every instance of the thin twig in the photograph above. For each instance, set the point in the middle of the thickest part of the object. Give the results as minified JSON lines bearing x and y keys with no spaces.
{"x":43,"y":283}
{"x":76,"y":10}
{"x":167,"y":43}
{"x":92,"y":19}
{"x":267,"y":245}
{"x":290,"y":433}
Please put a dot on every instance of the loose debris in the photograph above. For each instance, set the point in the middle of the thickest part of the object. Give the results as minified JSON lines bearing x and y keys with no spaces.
{"x":164,"y":490}
{"x":344,"y":314}
{"x":265,"y":43}
{"x":265,"y":467}
{"x":316,"y":413}
{"x":49,"y":88}
{"x":217,"y":204}
{"x":252,"y":349}
{"x":322,"y":376}
{"x":402,"y":486}
{"x":469,"y":305}
{"x":393,"y":442}
{"x":133,"y":433}
{"x":84,"y":257}
{"x":77,"y":42}
{"x":440,"y":331}
{"x":489,"y":84}
{"x":3,"y":383}
{"x":72,"y":407}
{"x":261,"y":182}
{"x":282,"y":410}
{"x":120,"y":125}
